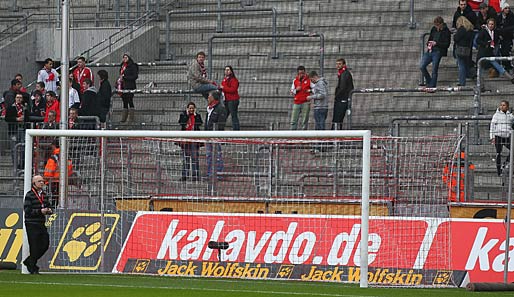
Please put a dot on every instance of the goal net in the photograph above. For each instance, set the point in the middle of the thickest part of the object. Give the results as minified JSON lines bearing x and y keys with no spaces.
{"x":263,"y":205}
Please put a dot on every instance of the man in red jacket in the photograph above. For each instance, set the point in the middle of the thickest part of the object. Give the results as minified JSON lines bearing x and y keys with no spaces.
{"x":52,"y":104}
{"x":301,"y":89}
{"x":81,"y":73}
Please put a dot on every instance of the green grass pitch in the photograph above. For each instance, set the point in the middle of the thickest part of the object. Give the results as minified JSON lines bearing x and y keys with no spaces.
{"x":13,"y":283}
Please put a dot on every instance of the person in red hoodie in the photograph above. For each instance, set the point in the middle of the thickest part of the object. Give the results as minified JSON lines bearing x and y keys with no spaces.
{"x":52,"y":104}
{"x":229,"y":87}
{"x":301,"y":89}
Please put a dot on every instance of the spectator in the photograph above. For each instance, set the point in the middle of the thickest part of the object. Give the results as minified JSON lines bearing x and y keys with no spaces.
{"x":89,"y":105}
{"x":9,"y":95}
{"x":189,"y":120}
{"x":319,"y":95}
{"x":51,"y":172}
{"x":39,"y":86}
{"x":464,"y":10}
{"x":488,"y":41}
{"x":49,"y":76}
{"x":81,"y":72}
{"x":342,"y":93}
{"x":104,"y":95}
{"x":437,"y":47}
{"x":499,"y":133}
{"x":38,"y":107}
{"x":19,"y":77}
{"x":463,"y":40}
{"x":300,"y":89}
{"x":51,"y":122}
{"x":73,"y":119}
{"x":229,"y":87}
{"x":74,"y":84}
{"x":129,"y":72}
{"x":16,"y":115}
{"x":485,"y":12}
{"x":197,"y":76}
{"x":215,"y":120}
{"x":505,"y":28}
{"x":73,"y":96}
{"x":36,"y":206}
{"x":52,"y":104}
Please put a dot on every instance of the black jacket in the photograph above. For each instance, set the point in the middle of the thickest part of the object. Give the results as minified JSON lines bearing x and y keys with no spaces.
{"x":505,"y":26}
{"x":104,"y":94}
{"x":344,"y":86}
{"x":218,"y":116}
{"x":442,"y":39}
{"x":463,"y":37}
{"x":184,"y":117}
{"x":481,"y":20}
{"x":468,"y":13}
{"x":32,"y":207}
{"x":130,"y":75}
{"x":89,"y":105}
{"x":484,"y":44}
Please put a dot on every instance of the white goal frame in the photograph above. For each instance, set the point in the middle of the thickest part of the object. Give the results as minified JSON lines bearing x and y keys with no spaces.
{"x":364,"y":134}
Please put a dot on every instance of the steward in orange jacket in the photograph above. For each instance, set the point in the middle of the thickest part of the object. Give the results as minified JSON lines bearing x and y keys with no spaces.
{"x":450,"y":177}
{"x":51,"y":173}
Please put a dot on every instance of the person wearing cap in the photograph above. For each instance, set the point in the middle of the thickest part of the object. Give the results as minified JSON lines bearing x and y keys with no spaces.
{"x":505,"y":28}
{"x":437,"y":47}
{"x":215,"y":121}
{"x":129,"y":72}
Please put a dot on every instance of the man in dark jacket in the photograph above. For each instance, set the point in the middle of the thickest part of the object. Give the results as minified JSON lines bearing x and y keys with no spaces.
{"x":343,"y":89}
{"x":437,"y":47}
{"x":505,"y":28}
{"x":36,"y":206}
{"x":215,"y":120}
{"x":189,"y":120}
{"x":89,"y":105}
{"x":464,"y":10}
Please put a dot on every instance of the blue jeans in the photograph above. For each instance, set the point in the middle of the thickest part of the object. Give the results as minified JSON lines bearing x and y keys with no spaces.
{"x":463,"y":63}
{"x":320,"y":116}
{"x":304,"y":109}
{"x":498,"y":67}
{"x":232,"y":111}
{"x":209,"y":147}
{"x":433,"y":57}
{"x":190,"y":165}
{"x":205,"y":89}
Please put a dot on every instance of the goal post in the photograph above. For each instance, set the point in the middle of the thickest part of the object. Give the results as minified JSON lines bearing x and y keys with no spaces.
{"x":365,"y":137}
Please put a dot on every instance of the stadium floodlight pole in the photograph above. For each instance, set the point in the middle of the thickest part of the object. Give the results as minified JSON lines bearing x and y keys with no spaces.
{"x":63,"y":154}
{"x":509,"y":208}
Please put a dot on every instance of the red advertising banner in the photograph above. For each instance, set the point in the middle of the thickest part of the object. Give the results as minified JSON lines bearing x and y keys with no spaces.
{"x":319,"y":245}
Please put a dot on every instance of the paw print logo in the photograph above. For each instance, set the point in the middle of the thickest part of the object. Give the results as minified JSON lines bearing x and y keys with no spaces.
{"x":285,"y":271}
{"x":442,"y":277}
{"x":86,"y":241}
{"x":80,"y":245}
{"x":141,"y":266}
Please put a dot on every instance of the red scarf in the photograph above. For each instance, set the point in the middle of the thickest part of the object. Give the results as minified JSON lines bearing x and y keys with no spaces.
{"x":19,"y":110}
{"x":123,"y":67}
{"x":190,"y":122}
{"x":214,"y":103}
{"x":202,"y":67}
{"x":340,"y":71}
{"x":41,"y":198}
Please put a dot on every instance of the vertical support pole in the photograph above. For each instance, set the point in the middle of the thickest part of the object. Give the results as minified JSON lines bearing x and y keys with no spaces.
{"x":366,"y":163}
{"x":458,"y":167}
{"x":412,"y":22}
{"x":509,"y":208}
{"x":103,"y":150}
{"x":27,"y":181}
{"x":274,"y":54}
{"x":63,"y":156}
{"x":117,"y":13}
{"x":219,"y":22}
{"x":300,"y":16}
{"x":477,"y":104}
{"x":168,"y":37}
{"x":321,"y":54}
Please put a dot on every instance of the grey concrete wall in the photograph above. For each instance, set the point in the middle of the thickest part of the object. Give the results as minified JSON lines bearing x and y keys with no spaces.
{"x":18,"y":56}
{"x":81,"y":39}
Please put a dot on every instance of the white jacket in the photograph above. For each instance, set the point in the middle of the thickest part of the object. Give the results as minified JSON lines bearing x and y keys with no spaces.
{"x":501,"y":124}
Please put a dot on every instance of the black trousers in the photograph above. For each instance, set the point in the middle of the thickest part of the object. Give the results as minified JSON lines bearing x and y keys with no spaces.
{"x":340,"y":108}
{"x":39,"y":241}
{"x":499,"y":142}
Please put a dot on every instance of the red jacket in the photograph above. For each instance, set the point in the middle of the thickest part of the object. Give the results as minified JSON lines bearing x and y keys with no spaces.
{"x":54,"y":106}
{"x":230,"y":85}
{"x":305,"y":85}
{"x":81,"y":74}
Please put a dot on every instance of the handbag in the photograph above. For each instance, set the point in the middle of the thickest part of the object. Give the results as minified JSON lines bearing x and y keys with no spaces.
{"x":462,"y":51}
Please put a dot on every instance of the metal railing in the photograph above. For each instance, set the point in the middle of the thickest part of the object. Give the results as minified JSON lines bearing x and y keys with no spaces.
{"x":219,"y":24}
{"x":274,"y":54}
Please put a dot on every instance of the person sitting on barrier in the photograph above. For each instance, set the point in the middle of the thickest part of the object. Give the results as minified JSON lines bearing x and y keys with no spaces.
{"x":488,"y":44}
{"x":189,"y":120}
{"x":499,"y":133}
{"x":51,"y":122}
{"x":437,"y":47}
{"x":197,"y":76}
{"x":51,"y":172}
